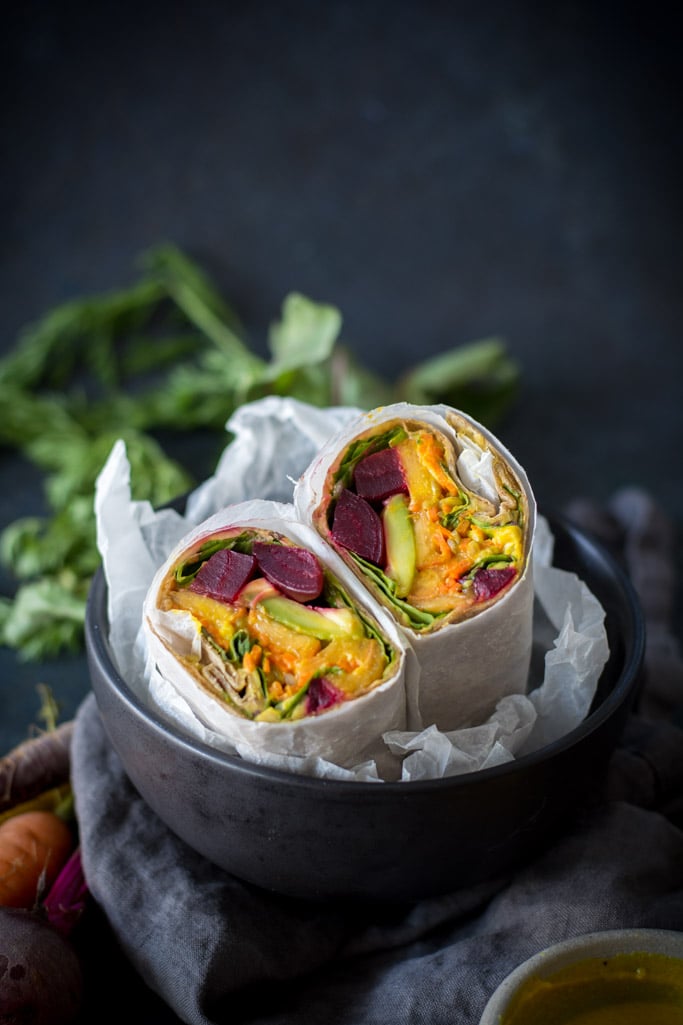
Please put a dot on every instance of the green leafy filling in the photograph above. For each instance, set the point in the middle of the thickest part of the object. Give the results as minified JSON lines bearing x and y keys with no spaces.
{"x":451,"y":518}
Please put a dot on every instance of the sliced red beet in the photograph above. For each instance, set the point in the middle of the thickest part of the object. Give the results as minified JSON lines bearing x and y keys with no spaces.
{"x":488,"y":582}
{"x":357,"y":527}
{"x":223,"y":576}
{"x":294,"y":571}
{"x":322,"y":694}
{"x":380,"y":475}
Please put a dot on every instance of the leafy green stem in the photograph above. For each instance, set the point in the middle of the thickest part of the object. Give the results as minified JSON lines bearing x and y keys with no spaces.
{"x":168,"y":353}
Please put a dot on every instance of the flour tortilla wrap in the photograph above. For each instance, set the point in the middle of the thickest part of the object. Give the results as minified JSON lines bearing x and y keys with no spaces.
{"x":272,"y":674}
{"x":455,"y":571}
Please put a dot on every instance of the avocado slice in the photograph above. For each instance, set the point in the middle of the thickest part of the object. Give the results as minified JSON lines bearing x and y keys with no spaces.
{"x":399,"y":539}
{"x":325,"y":624}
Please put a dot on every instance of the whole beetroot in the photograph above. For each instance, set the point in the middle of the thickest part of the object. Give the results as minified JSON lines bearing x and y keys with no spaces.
{"x":41,"y":979}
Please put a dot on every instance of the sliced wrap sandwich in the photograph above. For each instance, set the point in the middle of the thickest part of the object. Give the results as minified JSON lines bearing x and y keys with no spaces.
{"x":436,"y":518}
{"x":266,"y":635}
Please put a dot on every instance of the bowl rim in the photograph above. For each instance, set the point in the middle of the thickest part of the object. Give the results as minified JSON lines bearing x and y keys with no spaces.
{"x":99,"y":652}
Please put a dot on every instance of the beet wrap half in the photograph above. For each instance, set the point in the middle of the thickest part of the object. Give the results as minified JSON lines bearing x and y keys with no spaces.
{"x":266,"y":635}
{"x":436,"y":518}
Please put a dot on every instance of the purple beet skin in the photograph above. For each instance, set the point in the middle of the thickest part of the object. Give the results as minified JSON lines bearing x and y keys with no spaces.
{"x":488,"y":582}
{"x":380,"y":475}
{"x":357,"y":527}
{"x":223,"y":576}
{"x":322,"y":694}
{"x":294,"y":571}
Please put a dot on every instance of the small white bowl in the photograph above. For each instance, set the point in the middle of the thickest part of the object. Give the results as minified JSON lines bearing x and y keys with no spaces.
{"x":597,"y":947}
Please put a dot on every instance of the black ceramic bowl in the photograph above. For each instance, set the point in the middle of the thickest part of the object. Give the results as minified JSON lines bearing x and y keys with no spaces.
{"x":328,"y":839}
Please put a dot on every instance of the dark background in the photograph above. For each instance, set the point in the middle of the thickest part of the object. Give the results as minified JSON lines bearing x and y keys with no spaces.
{"x":440,"y":172}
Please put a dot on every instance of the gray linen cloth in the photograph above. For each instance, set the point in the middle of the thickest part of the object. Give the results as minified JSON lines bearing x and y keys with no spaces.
{"x":218,"y":950}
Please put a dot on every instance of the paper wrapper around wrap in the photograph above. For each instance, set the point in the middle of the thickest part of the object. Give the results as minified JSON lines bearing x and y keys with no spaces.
{"x":346,"y":734}
{"x":467,"y":666}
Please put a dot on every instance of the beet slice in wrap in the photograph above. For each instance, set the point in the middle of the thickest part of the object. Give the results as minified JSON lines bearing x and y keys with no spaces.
{"x":268,"y":638}
{"x":436,"y":518}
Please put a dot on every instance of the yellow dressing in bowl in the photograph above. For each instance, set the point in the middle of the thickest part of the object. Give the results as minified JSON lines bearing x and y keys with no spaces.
{"x":625,"y":989}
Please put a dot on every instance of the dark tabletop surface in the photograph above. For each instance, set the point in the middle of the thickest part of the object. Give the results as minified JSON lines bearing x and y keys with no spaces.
{"x":440,"y":172}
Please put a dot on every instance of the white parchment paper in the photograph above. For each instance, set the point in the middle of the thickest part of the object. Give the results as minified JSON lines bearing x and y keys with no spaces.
{"x":274,"y":441}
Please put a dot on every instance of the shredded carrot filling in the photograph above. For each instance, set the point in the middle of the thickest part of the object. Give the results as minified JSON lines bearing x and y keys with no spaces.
{"x":252,"y":658}
{"x":431,"y":456}
{"x":452,"y":531}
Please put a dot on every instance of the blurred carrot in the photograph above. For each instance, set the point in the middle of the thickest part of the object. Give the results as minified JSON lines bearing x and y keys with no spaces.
{"x":36,"y":765}
{"x":34,"y":846}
